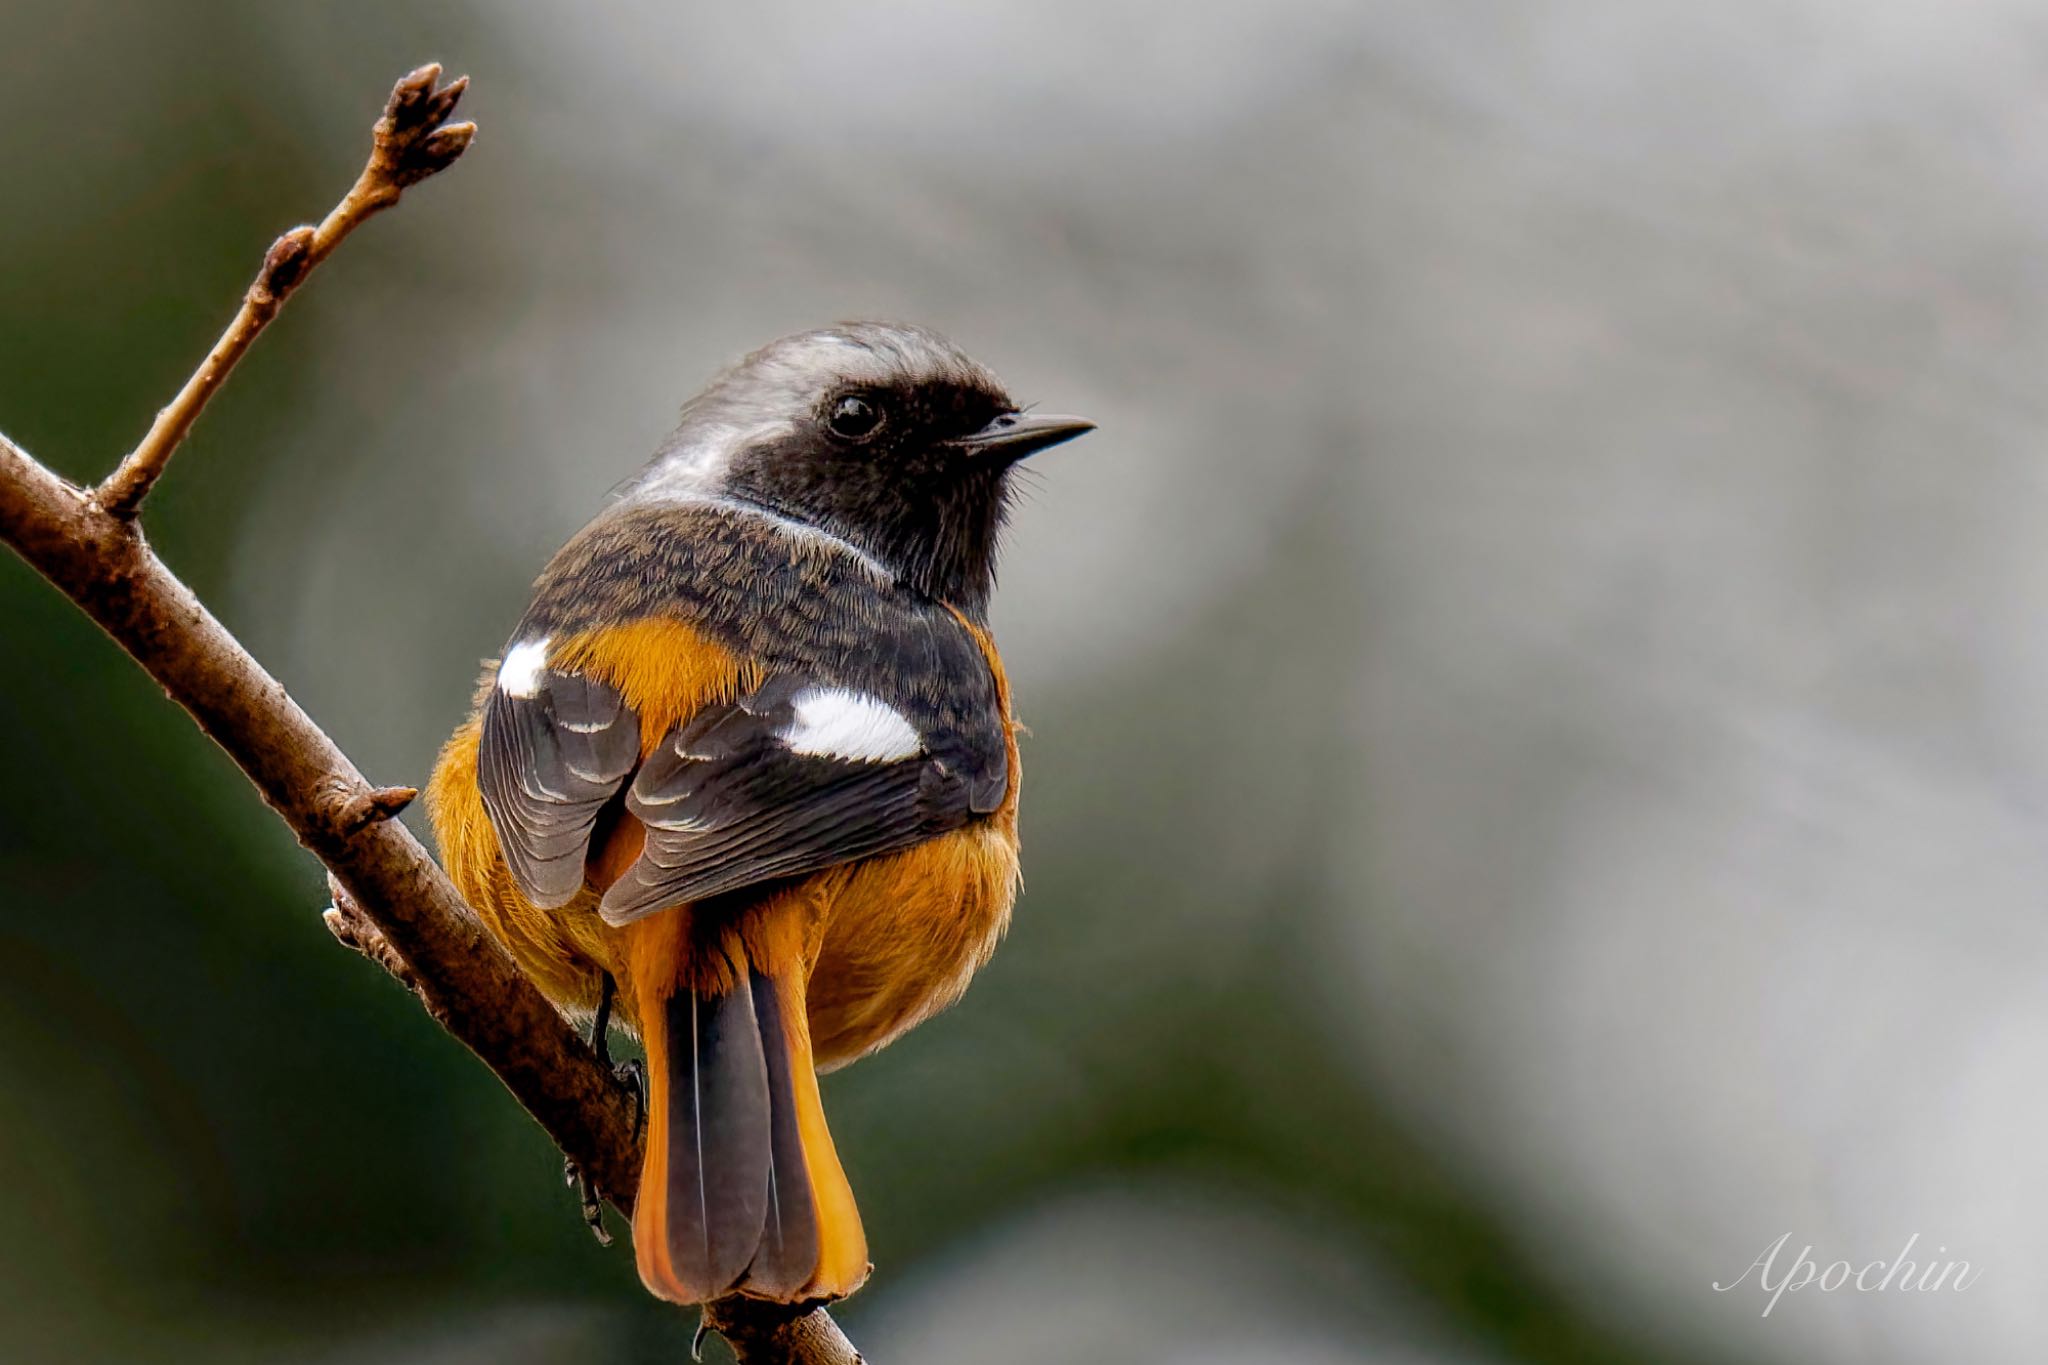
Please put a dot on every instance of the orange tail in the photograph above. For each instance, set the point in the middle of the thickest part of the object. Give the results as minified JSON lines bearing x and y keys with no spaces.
{"x":742,"y":1190}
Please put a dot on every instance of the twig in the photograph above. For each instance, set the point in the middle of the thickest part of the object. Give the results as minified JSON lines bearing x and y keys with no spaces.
{"x":391,"y":902}
{"x":411,"y":142}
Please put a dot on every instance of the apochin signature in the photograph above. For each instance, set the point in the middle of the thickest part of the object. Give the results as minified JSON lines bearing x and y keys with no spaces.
{"x":1898,"y":1275}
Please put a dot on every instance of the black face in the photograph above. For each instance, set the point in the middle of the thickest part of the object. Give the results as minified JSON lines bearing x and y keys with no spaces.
{"x":898,"y":471}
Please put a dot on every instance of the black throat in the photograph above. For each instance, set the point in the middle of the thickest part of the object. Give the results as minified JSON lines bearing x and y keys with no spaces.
{"x":937,"y":530}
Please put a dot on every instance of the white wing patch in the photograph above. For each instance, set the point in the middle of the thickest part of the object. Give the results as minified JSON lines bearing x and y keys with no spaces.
{"x":519,"y":675}
{"x":832,"y":722}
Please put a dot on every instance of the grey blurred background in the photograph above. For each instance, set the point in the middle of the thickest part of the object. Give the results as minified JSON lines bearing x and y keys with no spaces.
{"x":1538,"y":689}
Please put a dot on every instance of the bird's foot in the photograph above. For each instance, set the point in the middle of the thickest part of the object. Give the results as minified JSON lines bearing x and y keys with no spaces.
{"x":632,"y":1073}
{"x":589,"y":1201}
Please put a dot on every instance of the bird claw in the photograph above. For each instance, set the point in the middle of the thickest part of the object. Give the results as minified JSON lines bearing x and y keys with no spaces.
{"x":589,"y":1200}
{"x":632,"y":1073}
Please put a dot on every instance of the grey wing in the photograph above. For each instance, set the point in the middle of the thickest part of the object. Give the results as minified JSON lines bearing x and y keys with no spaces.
{"x":547,"y":764}
{"x":729,"y":800}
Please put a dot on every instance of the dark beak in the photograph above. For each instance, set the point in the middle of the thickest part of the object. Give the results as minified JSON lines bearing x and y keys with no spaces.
{"x":1017,"y":434}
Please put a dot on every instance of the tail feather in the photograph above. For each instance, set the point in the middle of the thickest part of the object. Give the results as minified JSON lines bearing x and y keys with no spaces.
{"x":788,"y":1255}
{"x":842,"y":1259}
{"x":742,"y":1189}
{"x":717,"y":1110}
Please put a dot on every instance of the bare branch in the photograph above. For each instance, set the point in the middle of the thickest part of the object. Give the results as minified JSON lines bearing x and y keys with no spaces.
{"x":411,"y":142}
{"x":391,"y":902}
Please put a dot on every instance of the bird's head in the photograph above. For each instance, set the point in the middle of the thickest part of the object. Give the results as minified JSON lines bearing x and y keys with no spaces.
{"x":886,"y":436}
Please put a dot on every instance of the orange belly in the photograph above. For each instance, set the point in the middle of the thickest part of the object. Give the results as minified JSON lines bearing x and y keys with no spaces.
{"x":904,"y":934}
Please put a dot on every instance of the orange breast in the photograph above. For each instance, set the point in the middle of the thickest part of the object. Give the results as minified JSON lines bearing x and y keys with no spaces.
{"x":904,"y":934}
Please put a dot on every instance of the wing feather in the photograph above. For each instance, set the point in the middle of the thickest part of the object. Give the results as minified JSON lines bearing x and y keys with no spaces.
{"x":547,"y":765}
{"x":728,"y":804}
{"x":735,"y":796}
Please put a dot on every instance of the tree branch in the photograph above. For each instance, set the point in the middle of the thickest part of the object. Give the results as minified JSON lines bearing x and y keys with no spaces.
{"x":411,"y":142}
{"x":391,"y":901}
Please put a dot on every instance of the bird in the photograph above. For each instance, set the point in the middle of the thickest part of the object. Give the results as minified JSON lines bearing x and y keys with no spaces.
{"x":745,"y":777}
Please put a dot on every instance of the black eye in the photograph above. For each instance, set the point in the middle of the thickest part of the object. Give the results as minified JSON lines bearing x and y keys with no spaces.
{"x":855,"y":418}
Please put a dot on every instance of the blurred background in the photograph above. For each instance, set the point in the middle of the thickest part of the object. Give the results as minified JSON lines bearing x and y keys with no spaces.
{"x":1539,"y":690}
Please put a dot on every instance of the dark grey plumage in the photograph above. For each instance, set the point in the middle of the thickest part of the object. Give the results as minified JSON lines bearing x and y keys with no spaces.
{"x":718,"y":1114}
{"x":547,"y":765}
{"x":728,"y":804}
{"x":789,"y":1233}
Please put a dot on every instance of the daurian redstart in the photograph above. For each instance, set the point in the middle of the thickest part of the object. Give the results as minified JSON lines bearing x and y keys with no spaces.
{"x":749,"y":760}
